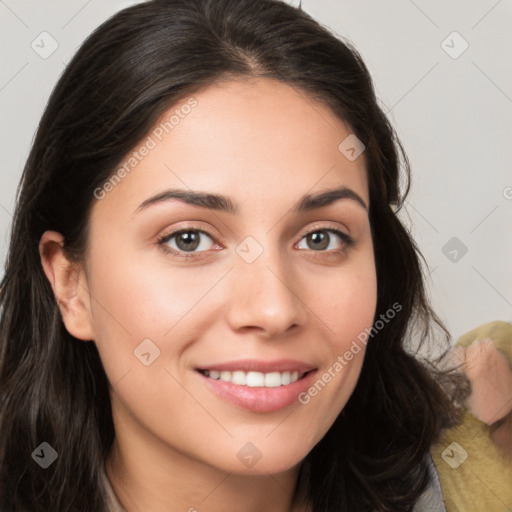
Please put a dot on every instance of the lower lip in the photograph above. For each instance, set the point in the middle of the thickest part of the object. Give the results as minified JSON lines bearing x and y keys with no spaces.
{"x":260,"y":399}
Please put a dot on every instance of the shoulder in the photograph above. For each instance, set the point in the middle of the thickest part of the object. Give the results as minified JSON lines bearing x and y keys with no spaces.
{"x":432,"y":498}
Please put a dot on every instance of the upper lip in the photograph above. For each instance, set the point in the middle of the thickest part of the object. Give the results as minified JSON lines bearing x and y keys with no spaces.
{"x":255,"y":365}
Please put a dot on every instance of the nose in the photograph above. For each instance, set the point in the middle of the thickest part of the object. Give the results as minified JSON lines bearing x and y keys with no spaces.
{"x":265,"y":296}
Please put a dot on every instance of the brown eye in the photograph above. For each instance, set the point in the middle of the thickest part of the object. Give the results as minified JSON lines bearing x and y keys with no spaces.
{"x":318,"y":241}
{"x":187,"y":241}
{"x":325,"y":239}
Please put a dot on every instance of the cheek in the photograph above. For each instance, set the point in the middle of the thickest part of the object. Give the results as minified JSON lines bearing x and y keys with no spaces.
{"x":133,"y":302}
{"x":352,"y":310}
{"x":144,"y":320}
{"x":348,"y":302}
{"x":346,"y":306}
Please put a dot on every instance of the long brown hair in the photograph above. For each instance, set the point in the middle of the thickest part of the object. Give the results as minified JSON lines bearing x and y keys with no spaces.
{"x":53,"y":388}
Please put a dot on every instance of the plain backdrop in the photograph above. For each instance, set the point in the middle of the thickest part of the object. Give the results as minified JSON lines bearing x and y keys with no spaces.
{"x":442,"y":71}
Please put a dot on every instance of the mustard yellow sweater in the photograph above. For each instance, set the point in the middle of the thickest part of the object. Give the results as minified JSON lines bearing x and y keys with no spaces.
{"x":474,"y":473}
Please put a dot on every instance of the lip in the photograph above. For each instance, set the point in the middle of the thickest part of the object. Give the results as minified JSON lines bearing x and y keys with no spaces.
{"x":254,"y":365}
{"x":259,"y":399}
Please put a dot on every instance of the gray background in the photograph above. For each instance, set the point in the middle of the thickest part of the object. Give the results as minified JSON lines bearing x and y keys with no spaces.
{"x":452,"y":112}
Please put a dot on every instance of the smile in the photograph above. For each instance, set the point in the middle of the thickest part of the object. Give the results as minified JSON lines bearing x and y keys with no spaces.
{"x":256,"y":391}
{"x":255,"y":379}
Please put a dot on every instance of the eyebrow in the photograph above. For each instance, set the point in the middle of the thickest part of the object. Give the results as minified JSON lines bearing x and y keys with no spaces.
{"x":222,"y":203}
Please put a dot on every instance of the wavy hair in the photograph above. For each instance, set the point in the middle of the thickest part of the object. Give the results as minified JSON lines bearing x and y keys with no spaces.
{"x":126,"y":74}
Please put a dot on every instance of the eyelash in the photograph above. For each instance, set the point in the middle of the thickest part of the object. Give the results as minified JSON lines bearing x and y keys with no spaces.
{"x":347,"y":240}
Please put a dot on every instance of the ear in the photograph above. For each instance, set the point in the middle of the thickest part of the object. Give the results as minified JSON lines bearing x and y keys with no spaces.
{"x":69,"y":285}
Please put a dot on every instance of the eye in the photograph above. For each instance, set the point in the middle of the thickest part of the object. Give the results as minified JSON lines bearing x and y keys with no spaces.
{"x":186,"y":241}
{"x":325,"y":240}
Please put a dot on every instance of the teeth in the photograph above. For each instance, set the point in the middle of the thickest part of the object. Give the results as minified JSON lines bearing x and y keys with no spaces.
{"x":273,"y":380}
{"x":226,"y":376}
{"x":238,"y":378}
{"x":255,"y":379}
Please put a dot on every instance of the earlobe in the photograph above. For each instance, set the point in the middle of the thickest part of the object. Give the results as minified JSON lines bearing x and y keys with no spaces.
{"x":69,"y":285}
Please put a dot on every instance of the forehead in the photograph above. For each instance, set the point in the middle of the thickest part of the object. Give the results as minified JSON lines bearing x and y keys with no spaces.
{"x":249,"y":138}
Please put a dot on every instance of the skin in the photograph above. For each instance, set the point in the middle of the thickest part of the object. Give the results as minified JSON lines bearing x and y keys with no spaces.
{"x":265,"y":145}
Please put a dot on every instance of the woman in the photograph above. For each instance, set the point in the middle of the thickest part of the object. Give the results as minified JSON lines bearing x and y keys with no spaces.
{"x":208,"y":297}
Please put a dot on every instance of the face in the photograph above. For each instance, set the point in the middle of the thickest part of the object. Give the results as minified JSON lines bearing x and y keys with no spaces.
{"x":192,"y":297}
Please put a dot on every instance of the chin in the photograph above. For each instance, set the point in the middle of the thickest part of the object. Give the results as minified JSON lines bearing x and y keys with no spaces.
{"x":267,"y":463}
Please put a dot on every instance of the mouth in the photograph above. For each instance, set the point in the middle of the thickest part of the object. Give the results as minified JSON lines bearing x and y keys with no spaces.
{"x":253,"y":379}
{"x":258,"y":386}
